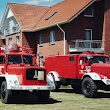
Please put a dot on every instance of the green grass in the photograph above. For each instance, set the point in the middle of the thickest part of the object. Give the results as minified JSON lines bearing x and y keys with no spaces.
{"x":65,"y":99}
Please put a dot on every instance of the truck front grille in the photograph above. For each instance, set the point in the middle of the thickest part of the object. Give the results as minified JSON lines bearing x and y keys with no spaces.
{"x":33,"y":74}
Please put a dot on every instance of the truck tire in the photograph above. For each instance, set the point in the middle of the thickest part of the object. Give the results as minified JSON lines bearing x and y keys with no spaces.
{"x":89,"y":88}
{"x":6,"y":94}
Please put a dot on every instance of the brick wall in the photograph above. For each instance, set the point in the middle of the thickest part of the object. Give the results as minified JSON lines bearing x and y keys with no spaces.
{"x":106,"y":29}
{"x":47,"y":49}
{"x":28,"y":39}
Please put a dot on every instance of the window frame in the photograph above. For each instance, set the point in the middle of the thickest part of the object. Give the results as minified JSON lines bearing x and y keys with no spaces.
{"x":2,"y":62}
{"x":17,"y":40}
{"x":71,"y":59}
{"x":41,"y":40}
{"x":10,"y":40}
{"x":52,"y":38}
{"x":88,"y":29}
{"x":92,"y":10}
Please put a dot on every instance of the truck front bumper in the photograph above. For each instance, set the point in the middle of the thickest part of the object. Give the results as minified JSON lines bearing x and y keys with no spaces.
{"x":21,"y":87}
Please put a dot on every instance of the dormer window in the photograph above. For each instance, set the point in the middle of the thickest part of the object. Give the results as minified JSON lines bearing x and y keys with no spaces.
{"x":89,"y":12}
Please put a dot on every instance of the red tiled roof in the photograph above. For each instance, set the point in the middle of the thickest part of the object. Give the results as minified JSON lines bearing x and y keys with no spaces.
{"x":27,"y":15}
{"x":65,"y":11}
{"x":33,"y":18}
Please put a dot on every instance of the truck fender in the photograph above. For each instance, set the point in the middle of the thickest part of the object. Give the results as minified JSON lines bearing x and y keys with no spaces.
{"x":92,"y":75}
{"x":11,"y":80}
{"x":55,"y":75}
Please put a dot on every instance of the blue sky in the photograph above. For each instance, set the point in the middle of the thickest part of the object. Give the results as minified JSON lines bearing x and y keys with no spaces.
{"x":3,"y":3}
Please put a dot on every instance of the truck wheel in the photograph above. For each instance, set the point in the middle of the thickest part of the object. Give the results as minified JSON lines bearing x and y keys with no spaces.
{"x":89,"y":88}
{"x":5,"y":93}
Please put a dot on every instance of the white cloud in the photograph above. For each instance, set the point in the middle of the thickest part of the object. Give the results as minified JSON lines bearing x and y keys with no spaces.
{"x":36,"y":2}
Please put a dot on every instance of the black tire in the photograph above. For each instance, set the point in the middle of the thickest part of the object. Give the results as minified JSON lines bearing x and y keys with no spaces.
{"x":89,"y":88}
{"x":6,"y":95}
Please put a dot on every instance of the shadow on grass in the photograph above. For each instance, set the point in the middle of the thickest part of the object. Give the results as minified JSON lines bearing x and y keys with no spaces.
{"x":68,"y":91}
{"x":102,"y":95}
{"x":35,"y":101}
{"x":99,"y":94}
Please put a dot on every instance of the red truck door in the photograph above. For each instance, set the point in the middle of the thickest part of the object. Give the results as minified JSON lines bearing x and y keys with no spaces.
{"x":83,"y":66}
{"x":70,"y":67}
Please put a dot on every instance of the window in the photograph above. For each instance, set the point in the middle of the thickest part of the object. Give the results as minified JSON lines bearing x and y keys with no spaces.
{"x":88,"y":34}
{"x":88,"y":38}
{"x":99,"y":59}
{"x":14,"y":59}
{"x":27,"y":60}
{"x":71,"y":59}
{"x":10,"y":40}
{"x":81,"y":60}
{"x":2,"y":59}
{"x":41,"y":40}
{"x":89,"y":11}
{"x":18,"y":40}
{"x":52,"y":37}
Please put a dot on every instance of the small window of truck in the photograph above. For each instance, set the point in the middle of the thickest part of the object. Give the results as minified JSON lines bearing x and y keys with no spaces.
{"x":71,"y":58}
{"x":2,"y":59}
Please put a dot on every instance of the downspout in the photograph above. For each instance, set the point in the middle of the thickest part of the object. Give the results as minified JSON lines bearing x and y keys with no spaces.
{"x":64,"y":38}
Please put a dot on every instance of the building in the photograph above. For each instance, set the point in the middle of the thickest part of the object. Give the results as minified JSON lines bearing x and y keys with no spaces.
{"x":71,"y":26}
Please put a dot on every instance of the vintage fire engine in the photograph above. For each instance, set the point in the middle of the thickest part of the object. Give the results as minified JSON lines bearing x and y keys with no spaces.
{"x":20,"y":75}
{"x":87,"y":71}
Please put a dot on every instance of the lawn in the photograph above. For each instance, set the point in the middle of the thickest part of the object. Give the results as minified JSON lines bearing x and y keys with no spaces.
{"x":64,"y":99}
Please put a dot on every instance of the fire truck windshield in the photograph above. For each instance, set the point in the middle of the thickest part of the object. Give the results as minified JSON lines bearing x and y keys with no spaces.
{"x":17,"y":59}
{"x":14,"y":59}
{"x":99,"y":59}
{"x":27,"y":60}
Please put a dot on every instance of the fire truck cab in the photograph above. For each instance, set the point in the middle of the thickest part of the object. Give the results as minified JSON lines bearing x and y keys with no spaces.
{"x":87,"y":71}
{"x":20,"y":75}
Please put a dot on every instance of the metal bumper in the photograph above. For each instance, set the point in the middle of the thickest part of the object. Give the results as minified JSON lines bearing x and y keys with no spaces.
{"x":47,"y":87}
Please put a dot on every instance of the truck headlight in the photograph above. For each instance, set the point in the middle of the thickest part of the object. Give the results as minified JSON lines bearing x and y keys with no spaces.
{"x":16,"y":82}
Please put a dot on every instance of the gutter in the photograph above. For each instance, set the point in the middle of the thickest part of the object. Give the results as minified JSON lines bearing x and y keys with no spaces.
{"x":64,"y":38}
{"x":45,"y":27}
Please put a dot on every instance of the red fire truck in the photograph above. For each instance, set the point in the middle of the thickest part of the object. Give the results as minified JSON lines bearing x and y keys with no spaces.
{"x":87,"y":71}
{"x":20,"y":76}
